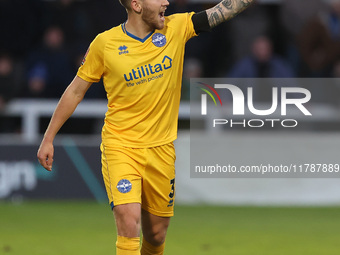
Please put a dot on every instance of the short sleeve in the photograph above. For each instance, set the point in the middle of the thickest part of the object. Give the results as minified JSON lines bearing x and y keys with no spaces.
{"x":92,"y":67}
{"x":190,"y":30}
{"x":183,"y":25}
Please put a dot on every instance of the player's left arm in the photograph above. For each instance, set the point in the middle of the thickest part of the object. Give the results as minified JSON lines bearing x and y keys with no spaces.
{"x":223,"y":11}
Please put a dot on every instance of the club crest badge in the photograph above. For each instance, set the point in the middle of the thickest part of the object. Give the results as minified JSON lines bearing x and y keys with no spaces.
{"x":159,"y":40}
{"x":124,"y":186}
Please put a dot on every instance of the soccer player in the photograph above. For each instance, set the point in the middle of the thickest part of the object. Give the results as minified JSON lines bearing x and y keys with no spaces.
{"x":141,"y":63}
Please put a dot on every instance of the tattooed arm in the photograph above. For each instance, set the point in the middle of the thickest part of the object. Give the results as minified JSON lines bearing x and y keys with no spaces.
{"x":226,"y":10}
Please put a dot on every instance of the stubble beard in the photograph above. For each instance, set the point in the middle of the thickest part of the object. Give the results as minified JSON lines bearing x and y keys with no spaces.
{"x":151,"y":18}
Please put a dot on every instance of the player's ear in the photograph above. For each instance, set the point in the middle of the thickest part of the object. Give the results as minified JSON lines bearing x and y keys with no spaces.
{"x":136,"y":6}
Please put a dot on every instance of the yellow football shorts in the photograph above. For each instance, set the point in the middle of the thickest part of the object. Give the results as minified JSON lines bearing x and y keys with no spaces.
{"x":140,"y":175}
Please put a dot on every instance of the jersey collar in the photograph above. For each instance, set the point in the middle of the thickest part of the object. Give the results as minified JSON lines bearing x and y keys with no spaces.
{"x":136,"y":37}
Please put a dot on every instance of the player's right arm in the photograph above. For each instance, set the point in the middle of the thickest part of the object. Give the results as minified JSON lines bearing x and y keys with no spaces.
{"x":72,"y":96}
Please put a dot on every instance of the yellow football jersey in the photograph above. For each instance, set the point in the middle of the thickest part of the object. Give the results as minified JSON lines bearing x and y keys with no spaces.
{"x":142,"y":79}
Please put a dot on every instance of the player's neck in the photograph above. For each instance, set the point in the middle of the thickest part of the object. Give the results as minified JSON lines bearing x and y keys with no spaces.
{"x":138,"y":27}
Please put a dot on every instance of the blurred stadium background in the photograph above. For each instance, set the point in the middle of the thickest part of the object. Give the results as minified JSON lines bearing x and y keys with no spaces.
{"x":65,"y":212}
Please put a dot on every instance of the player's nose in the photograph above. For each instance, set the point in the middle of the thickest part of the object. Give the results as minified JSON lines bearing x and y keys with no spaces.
{"x":166,"y":3}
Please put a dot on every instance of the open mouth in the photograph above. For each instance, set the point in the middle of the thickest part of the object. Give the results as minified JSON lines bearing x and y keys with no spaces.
{"x":161,"y":15}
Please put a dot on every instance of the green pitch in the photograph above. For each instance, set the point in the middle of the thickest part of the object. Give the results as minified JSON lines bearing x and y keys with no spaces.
{"x":72,"y":228}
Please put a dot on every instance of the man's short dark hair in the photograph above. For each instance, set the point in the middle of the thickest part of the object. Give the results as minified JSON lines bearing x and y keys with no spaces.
{"x":125,"y":3}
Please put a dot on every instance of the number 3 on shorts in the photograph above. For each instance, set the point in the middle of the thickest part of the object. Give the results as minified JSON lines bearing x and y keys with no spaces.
{"x":172,"y":193}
